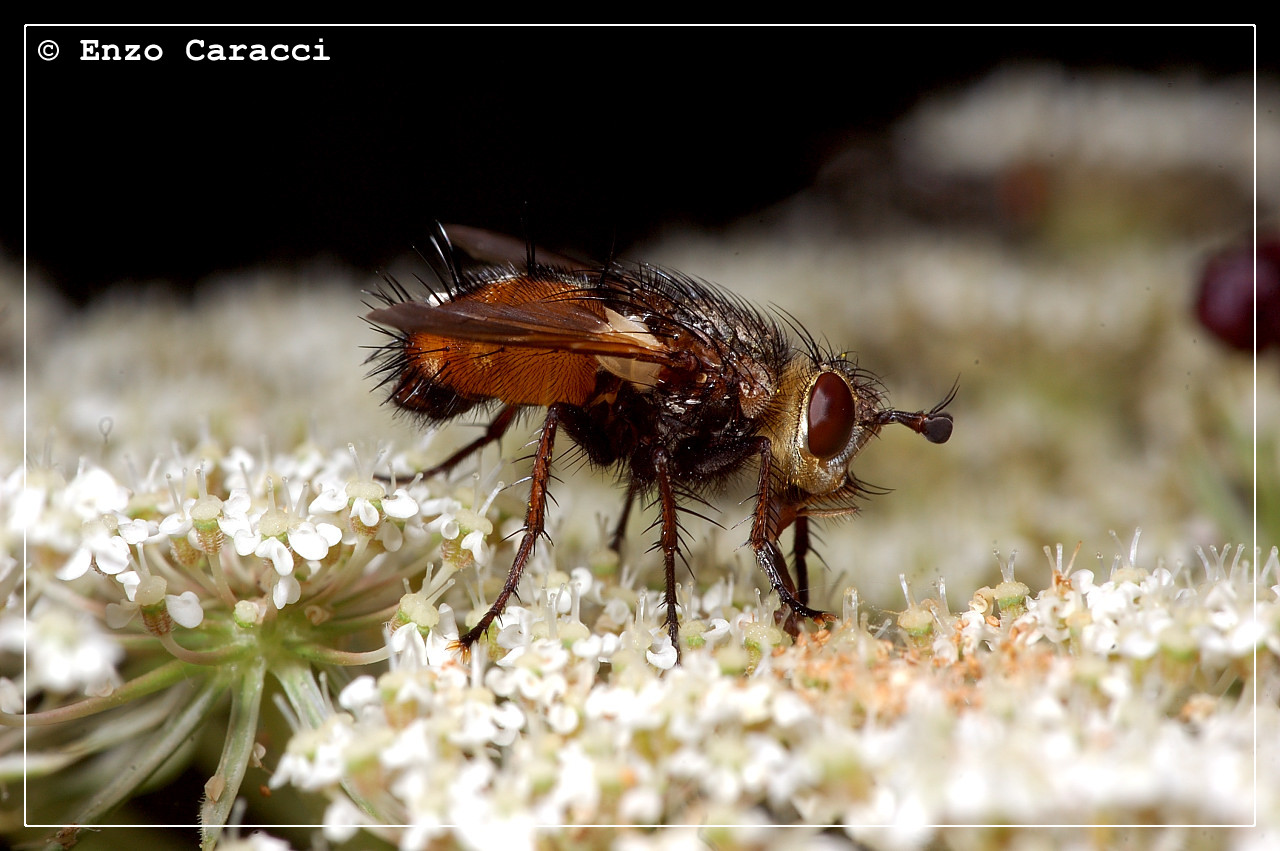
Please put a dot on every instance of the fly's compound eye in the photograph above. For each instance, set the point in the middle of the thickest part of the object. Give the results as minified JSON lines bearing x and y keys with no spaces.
{"x":830,"y":416}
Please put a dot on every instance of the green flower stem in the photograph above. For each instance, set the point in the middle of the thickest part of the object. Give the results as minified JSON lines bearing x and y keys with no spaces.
{"x":212,"y":658}
{"x":324,"y":655}
{"x":151,"y":756}
{"x":100,"y":738}
{"x":152,"y":681}
{"x":220,"y":579}
{"x":237,"y":749}
{"x":302,"y":691}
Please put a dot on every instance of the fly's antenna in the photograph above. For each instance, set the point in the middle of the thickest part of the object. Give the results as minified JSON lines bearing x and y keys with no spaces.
{"x":935,"y":424}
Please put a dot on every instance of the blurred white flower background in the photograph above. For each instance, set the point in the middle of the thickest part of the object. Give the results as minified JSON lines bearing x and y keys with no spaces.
{"x":214,"y":582}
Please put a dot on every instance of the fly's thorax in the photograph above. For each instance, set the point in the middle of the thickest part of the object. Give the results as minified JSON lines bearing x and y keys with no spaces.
{"x":824,"y":413}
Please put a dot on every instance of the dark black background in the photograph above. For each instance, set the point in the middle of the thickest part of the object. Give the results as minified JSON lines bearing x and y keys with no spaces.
{"x":172,"y":170}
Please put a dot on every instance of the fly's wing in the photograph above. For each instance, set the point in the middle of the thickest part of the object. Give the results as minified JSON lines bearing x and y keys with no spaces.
{"x":566,"y":324}
{"x":476,"y":247}
{"x":534,"y":334}
{"x":516,"y":338}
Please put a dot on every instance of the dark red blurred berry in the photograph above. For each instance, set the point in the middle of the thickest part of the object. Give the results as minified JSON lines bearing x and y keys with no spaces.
{"x":1225,"y":302}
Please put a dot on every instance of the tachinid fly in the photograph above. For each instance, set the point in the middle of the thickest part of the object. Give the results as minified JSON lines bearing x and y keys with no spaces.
{"x":672,"y":383}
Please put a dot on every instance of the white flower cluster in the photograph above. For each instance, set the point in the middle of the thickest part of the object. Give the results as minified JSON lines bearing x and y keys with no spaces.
{"x":1137,"y":614}
{"x":239,"y":571}
{"x":1085,"y":705}
{"x":149,"y":549}
{"x":1095,"y":699}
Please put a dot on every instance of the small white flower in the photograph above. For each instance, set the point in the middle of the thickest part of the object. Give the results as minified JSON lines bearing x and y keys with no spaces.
{"x":234,"y":517}
{"x":330,"y":501}
{"x":641,"y":805}
{"x":100,"y":547}
{"x":400,"y":505}
{"x":92,"y":493}
{"x":342,"y":820}
{"x":478,"y":728}
{"x":717,"y":631}
{"x":314,"y":759}
{"x":129,"y":580}
{"x":66,"y":652}
{"x":599,"y":647}
{"x":474,"y":541}
{"x":176,"y":525}
{"x":285,"y":591}
{"x":439,"y":505}
{"x":275,"y":551}
{"x":789,"y":709}
{"x":246,"y":541}
{"x":391,"y":538}
{"x":577,"y":792}
{"x":364,"y":511}
{"x":237,"y":462}
{"x":446,"y":525}
{"x":408,"y":645}
{"x":562,"y":718}
{"x":663,"y":654}
{"x":360,"y":694}
{"x":1082,"y":581}
{"x":134,"y":532}
{"x":718,"y":595}
{"x":185,"y":609}
{"x":312,"y":541}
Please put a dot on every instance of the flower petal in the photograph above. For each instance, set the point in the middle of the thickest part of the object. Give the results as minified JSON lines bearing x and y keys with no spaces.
{"x":185,"y":609}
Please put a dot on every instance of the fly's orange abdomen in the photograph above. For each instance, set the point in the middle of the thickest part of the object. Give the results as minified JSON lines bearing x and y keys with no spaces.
{"x":480,"y":371}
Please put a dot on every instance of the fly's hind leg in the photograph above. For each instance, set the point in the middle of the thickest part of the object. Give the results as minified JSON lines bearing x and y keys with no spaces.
{"x":620,"y":530}
{"x":492,"y":434}
{"x":534,"y":522}
{"x":669,"y":541}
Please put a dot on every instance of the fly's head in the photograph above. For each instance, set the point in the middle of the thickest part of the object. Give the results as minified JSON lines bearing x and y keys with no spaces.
{"x":825,"y":412}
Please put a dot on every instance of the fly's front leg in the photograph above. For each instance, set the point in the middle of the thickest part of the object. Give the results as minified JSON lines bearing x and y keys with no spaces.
{"x":764,"y":541}
{"x":799,"y":558}
{"x":534,"y":525}
{"x":789,"y":619}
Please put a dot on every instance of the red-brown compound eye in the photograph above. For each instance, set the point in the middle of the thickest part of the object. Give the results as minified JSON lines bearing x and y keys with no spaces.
{"x":830,"y":416}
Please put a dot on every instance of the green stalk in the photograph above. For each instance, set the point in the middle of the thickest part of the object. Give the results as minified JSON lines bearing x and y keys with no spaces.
{"x":237,"y":749}
{"x":179,"y":728}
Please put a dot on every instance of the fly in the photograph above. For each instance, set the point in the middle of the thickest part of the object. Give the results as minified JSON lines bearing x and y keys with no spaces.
{"x":674,"y":384}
